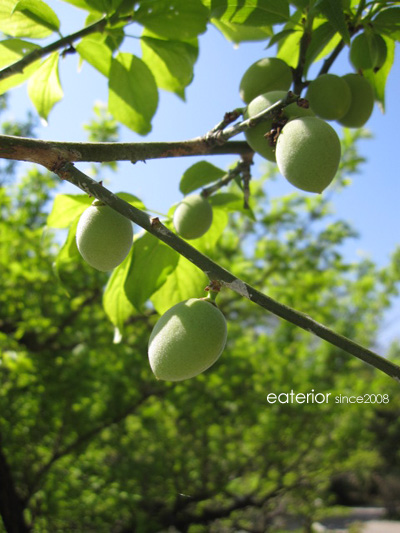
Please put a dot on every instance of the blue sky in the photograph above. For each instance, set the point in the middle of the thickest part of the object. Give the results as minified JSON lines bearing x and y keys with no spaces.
{"x":370,"y":203}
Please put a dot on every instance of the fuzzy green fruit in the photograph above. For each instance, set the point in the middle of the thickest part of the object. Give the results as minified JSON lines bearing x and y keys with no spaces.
{"x":329,"y":96}
{"x":363,"y":51}
{"x":362,"y":101}
{"x":268,"y":74}
{"x":187,"y":340}
{"x":255,"y":136}
{"x":193,"y":216}
{"x":103,"y":236}
{"x":308,"y":153}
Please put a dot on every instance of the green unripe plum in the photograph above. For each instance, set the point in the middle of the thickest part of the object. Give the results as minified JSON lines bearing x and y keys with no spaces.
{"x":268,"y":74}
{"x":363,"y":51}
{"x":329,"y":96}
{"x":187,"y":340}
{"x":255,"y":135}
{"x":193,"y":216}
{"x":103,"y":236}
{"x":308,"y":153}
{"x":381,"y":48}
{"x":362,"y":101}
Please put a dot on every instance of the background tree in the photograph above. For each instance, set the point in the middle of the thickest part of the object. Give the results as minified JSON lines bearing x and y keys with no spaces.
{"x":89,"y":440}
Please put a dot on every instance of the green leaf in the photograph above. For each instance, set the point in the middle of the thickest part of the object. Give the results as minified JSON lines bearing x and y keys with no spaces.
{"x":198,"y":175}
{"x":173,"y":19}
{"x":44,"y":87}
{"x":171,"y":62}
{"x":132,"y":199}
{"x":98,"y":6}
{"x":388,"y":22}
{"x":231,"y":202}
{"x":378,"y":79}
{"x":279,"y":36}
{"x":321,"y":37}
{"x":68,"y":252}
{"x":238,"y":33}
{"x":115,"y":302}
{"x":35,"y":19}
{"x":333,"y":11}
{"x":96,"y":53}
{"x":206,"y":244}
{"x":250,"y":12}
{"x":152,"y":262}
{"x":133,"y":95}
{"x":38,"y":12}
{"x":11,"y":51}
{"x":186,"y":281}
{"x":288,"y":48}
{"x":66,"y":207}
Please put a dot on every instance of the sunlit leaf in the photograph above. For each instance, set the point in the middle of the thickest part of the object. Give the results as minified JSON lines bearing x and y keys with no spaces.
{"x":171,"y":62}
{"x":239,"y":33}
{"x":133,"y":95}
{"x":198,"y":175}
{"x":35,"y":19}
{"x":11,"y":51}
{"x":186,"y":281}
{"x":115,"y":302}
{"x":151,"y":263}
{"x":96,"y":53}
{"x":174,"y":19}
{"x":44,"y":86}
{"x":66,"y":207}
{"x":250,"y":12}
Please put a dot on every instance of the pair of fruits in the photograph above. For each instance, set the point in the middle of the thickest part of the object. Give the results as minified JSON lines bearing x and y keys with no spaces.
{"x":104,"y":237}
{"x":348,"y":99}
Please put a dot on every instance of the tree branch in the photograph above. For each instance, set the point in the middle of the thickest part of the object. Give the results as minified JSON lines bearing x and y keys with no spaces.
{"x":11,"y":505}
{"x":216,"y":272}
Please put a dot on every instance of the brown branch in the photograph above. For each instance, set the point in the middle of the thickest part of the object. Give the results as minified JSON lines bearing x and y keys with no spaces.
{"x":52,"y":154}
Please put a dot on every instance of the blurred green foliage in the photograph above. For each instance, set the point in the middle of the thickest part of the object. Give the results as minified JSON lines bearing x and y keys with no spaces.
{"x":95,"y":444}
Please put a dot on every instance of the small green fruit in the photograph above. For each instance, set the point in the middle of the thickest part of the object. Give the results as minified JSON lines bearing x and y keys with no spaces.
{"x":193,"y":216}
{"x":255,"y":136}
{"x":103,"y":236}
{"x":381,"y":48}
{"x":363,"y":51}
{"x":329,"y":96}
{"x":308,"y":153}
{"x":187,"y":340}
{"x":362,"y":101}
{"x":268,"y":74}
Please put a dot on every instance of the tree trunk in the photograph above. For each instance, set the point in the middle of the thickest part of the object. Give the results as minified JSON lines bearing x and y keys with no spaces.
{"x":11,"y":505}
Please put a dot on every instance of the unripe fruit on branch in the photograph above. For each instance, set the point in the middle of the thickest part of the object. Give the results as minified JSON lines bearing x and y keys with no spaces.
{"x":187,"y":340}
{"x":193,"y":216}
{"x":363,"y":51}
{"x":362,"y":101}
{"x":308,"y":153}
{"x":268,"y":74}
{"x":255,"y":136}
{"x":329,"y":96}
{"x":381,"y":47}
{"x":368,"y":51}
{"x":103,"y":236}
